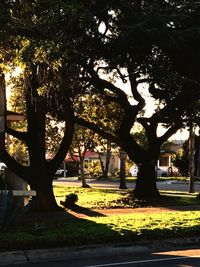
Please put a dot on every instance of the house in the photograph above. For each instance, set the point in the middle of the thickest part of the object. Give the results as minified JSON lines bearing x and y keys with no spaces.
{"x":165,"y":159}
{"x":91,"y":157}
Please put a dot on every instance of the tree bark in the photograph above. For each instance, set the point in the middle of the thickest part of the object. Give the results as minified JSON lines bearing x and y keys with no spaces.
{"x":102,"y":166}
{"x":45,"y":199}
{"x":82,"y":175}
{"x":41,"y":171}
{"x":145,"y":187}
{"x":105,"y":167}
{"x":107,"y":163}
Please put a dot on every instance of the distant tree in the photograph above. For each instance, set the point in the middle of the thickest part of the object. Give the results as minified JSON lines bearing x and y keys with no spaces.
{"x":103,"y":148}
{"x":181,"y":159}
{"x":97,"y":109}
{"x":81,"y":144}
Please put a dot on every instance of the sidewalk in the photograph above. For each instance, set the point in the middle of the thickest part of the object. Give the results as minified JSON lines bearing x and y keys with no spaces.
{"x":61,"y":254}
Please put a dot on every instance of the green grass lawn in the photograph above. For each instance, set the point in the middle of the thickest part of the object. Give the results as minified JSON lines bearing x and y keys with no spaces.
{"x":94,"y":198}
{"x":100,"y":230}
{"x":91,"y":197}
{"x":70,"y":231}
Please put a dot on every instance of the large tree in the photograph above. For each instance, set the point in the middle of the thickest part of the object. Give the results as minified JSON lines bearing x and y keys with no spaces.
{"x":40,"y":172}
{"x":142,"y":43}
{"x":28,"y":39}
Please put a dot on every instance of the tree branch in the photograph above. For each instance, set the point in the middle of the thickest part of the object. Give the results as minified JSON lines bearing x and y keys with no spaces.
{"x":102,"y":84}
{"x":94,"y":127}
{"x":13,"y":165}
{"x":66,"y":141}
{"x":172,"y":130}
{"x":20,"y":135}
{"x":134,"y":89}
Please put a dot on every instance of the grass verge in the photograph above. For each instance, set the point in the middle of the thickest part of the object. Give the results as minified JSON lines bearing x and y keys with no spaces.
{"x":101,"y":230}
{"x":66,"y":230}
{"x":93,"y":198}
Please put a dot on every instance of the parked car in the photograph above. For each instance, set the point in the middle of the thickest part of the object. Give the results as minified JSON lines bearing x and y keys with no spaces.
{"x":134,"y":170}
{"x":161,"y":173}
{"x":60,"y":172}
{"x":2,"y":166}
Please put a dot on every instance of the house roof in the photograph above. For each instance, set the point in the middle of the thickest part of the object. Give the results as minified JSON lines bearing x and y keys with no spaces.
{"x":88,"y":154}
{"x":172,"y":149}
{"x":69,"y":158}
{"x":91,"y":154}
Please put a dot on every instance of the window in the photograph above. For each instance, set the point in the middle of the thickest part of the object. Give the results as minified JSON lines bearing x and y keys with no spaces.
{"x":164,"y":161}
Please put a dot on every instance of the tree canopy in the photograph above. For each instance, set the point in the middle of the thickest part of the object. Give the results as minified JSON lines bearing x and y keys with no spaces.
{"x":145,"y":43}
{"x":72,"y":49}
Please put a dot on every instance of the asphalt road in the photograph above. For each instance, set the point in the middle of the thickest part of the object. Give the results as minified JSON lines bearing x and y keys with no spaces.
{"x":182,"y":258}
{"x":169,"y":185}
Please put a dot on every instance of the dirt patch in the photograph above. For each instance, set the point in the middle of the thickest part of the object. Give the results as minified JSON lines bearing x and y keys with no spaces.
{"x":111,"y":212}
{"x":80,"y":212}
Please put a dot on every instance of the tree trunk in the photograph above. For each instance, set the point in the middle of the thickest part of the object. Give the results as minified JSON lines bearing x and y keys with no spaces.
{"x":2,"y":106}
{"x":107,"y":163}
{"x":146,"y":182}
{"x":102,"y":166}
{"x":45,"y":199}
{"x":40,"y":174}
{"x":82,"y":175}
{"x":122,"y":174}
{"x":191,"y":159}
{"x":198,"y":161}
{"x":2,"y":111}
{"x":40,"y":179}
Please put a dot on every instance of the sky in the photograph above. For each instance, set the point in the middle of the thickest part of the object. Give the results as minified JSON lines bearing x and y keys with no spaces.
{"x":182,"y":134}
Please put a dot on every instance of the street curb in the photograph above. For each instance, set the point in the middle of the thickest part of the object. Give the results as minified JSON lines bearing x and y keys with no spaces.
{"x":14,"y":257}
{"x":66,"y":253}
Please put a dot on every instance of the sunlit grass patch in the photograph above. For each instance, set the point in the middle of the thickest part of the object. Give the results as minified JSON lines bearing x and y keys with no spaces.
{"x":100,"y":198}
{"x":101,"y":230}
{"x":171,"y":224}
{"x":91,"y":197}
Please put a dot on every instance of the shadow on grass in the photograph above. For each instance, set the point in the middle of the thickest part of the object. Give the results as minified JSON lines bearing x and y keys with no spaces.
{"x":179,"y":203}
{"x":85,"y":211}
{"x":32,"y":218}
{"x":61,"y":229}
{"x":51,"y":230}
{"x":168,"y":201}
